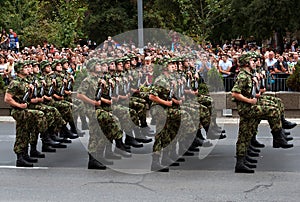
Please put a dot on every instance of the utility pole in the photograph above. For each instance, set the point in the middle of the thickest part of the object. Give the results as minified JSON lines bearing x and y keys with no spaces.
{"x":140,"y":26}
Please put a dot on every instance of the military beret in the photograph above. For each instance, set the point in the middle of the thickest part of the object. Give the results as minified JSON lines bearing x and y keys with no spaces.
{"x":18,"y":66}
{"x":44,"y":64}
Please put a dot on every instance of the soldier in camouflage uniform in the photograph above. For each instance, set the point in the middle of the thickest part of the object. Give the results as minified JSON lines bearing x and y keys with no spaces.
{"x":177,"y":122}
{"x":18,"y":97}
{"x":54,"y":118}
{"x":102,"y":116}
{"x":250,"y":110}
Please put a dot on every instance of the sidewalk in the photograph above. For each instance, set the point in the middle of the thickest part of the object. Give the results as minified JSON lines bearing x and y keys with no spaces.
{"x":220,"y":120}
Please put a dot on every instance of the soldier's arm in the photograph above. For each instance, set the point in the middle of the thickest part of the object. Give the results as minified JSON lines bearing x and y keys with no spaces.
{"x":8,"y":98}
{"x":159,"y":100}
{"x":85,"y":99}
{"x":240,"y":97}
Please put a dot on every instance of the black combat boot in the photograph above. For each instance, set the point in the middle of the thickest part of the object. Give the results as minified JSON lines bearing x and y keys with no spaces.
{"x":248,"y":164}
{"x":109,"y":154}
{"x":121,"y":149}
{"x":21,"y":162}
{"x":213,"y":135}
{"x":54,"y":137}
{"x":255,"y":143}
{"x":74,"y":130}
{"x":184,"y":151}
{"x":252,"y":153}
{"x":254,"y":149}
{"x":206,"y":143}
{"x":286,"y":137}
{"x":27,"y":158}
{"x":279,"y":141}
{"x":250,"y":160}
{"x":166,"y":161}
{"x":156,"y":166}
{"x":35,"y":153}
{"x":47,"y":140}
{"x":287,"y":133}
{"x":129,"y":140}
{"x":240,"y":166}
{"x":139,"y":137}
{"x":287,"y":124}
{"x":65,"y":132}
{"x":94,"y":164}
{"x":216,"y":127}
{"x":47,"y":148}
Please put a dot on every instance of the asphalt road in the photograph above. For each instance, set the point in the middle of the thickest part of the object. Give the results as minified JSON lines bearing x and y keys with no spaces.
{"x":208,"y":176}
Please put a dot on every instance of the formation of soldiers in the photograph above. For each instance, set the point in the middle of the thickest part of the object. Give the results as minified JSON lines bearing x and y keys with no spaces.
{"x":115,"y":97}
{"x":253,"y":106}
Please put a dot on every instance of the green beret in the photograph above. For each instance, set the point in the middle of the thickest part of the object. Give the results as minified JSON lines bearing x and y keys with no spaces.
{"x":64,"y":60}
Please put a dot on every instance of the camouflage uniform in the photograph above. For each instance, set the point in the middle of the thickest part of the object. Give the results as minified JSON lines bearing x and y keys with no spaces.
{"x":26,"y":119}
{"x":249,"y":114}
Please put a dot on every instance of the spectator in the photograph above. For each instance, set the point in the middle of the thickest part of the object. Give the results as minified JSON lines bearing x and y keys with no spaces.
{"x":281,"y":66}
{"x":10,"y":68}
{"x":270,"y":62}
{"x":4,"y":40}
{"x":225,"y":69}
{"x":13,"y":41}
{"x":3,"y":69}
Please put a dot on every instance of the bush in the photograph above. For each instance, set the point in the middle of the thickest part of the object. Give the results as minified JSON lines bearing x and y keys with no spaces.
{"x":293,"y":82}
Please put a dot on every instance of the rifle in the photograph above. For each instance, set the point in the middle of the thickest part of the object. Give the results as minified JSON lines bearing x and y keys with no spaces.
{"x":26,"y":96}
{"x":35,"y":88}
{"x":195,"y":83}
{"x":188,"y":82}
{"x":255,"y":89}
{"x":99,"y":91}
{"x":62,"y":88}
{"x":51,"y":89}
{"x":171,"y":93}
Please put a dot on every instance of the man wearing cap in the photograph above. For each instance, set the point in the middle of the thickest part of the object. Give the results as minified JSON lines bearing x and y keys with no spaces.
{"x":18,"y":97}
{"x":250,"y":110}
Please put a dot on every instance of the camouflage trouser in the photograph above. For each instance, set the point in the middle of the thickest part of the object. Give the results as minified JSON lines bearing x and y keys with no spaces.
{"x":128,"y":117}
{"x":26,"y":122}
{"x":270,"y":101}
{"x":246,"y":128}
{"x":167,"y":126}
{"x":249,"y":120}
{"x":109,"y":124}
{"x":199,"y":113}
{"x":208,"y":102}
{"x":139,"y":105}
{"x":78,"y":110}
{"x":97,"y":139}
{"x":53,"y":118}
{"x":64,"y":108}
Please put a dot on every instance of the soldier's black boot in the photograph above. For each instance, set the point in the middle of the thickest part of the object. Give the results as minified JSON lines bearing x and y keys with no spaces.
{"x":129,"y":140}
{"x":287,"y":124}
{"x":240,"y":166}
{"x":156,"y":166}
{"x":279,"y":141}
{"x":121,"y":149}
{"x":47,"y":140}
{"x":67,"y":133}
{"x":250,"y":160}
{"x":74,"y":130}
{"x":94,"y":164}
{"x":286,"y":132}
{"x":54,"y":137}
{"x":27,"y":158}
{"x":21,"y":162}
{"x":47,"y":148}
{"x":254,"y":149}
{"x":184,"y":151}
{"x":248,"y":164}
{"x":255,"y":143}
{"x":286,"y":137}
{"x":109,"y":154}
{"x":166,"y":161}
{"x":35,"y":153}
{"x":139,"y":137}
{"x":214,"y":135}
{"x":216,"y":127}
{"x":206,"y":143}
{"x":252,"y":153}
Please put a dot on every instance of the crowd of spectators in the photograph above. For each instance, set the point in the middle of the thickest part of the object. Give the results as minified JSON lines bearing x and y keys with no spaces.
{"x":222,"y":57}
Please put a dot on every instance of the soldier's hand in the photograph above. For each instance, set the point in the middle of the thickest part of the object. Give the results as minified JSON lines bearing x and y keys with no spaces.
{"x":169,"y":103}
{"x":97,"y":103}
{"x":23,"y":105}
{"x":253,"y":101}
{"x":35,"y":100}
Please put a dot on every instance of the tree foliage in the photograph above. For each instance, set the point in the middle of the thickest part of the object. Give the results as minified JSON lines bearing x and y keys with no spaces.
{"x":63,"y":22}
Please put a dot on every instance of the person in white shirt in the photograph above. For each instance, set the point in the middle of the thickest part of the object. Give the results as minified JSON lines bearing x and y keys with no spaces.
{"x":224,"y":68}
